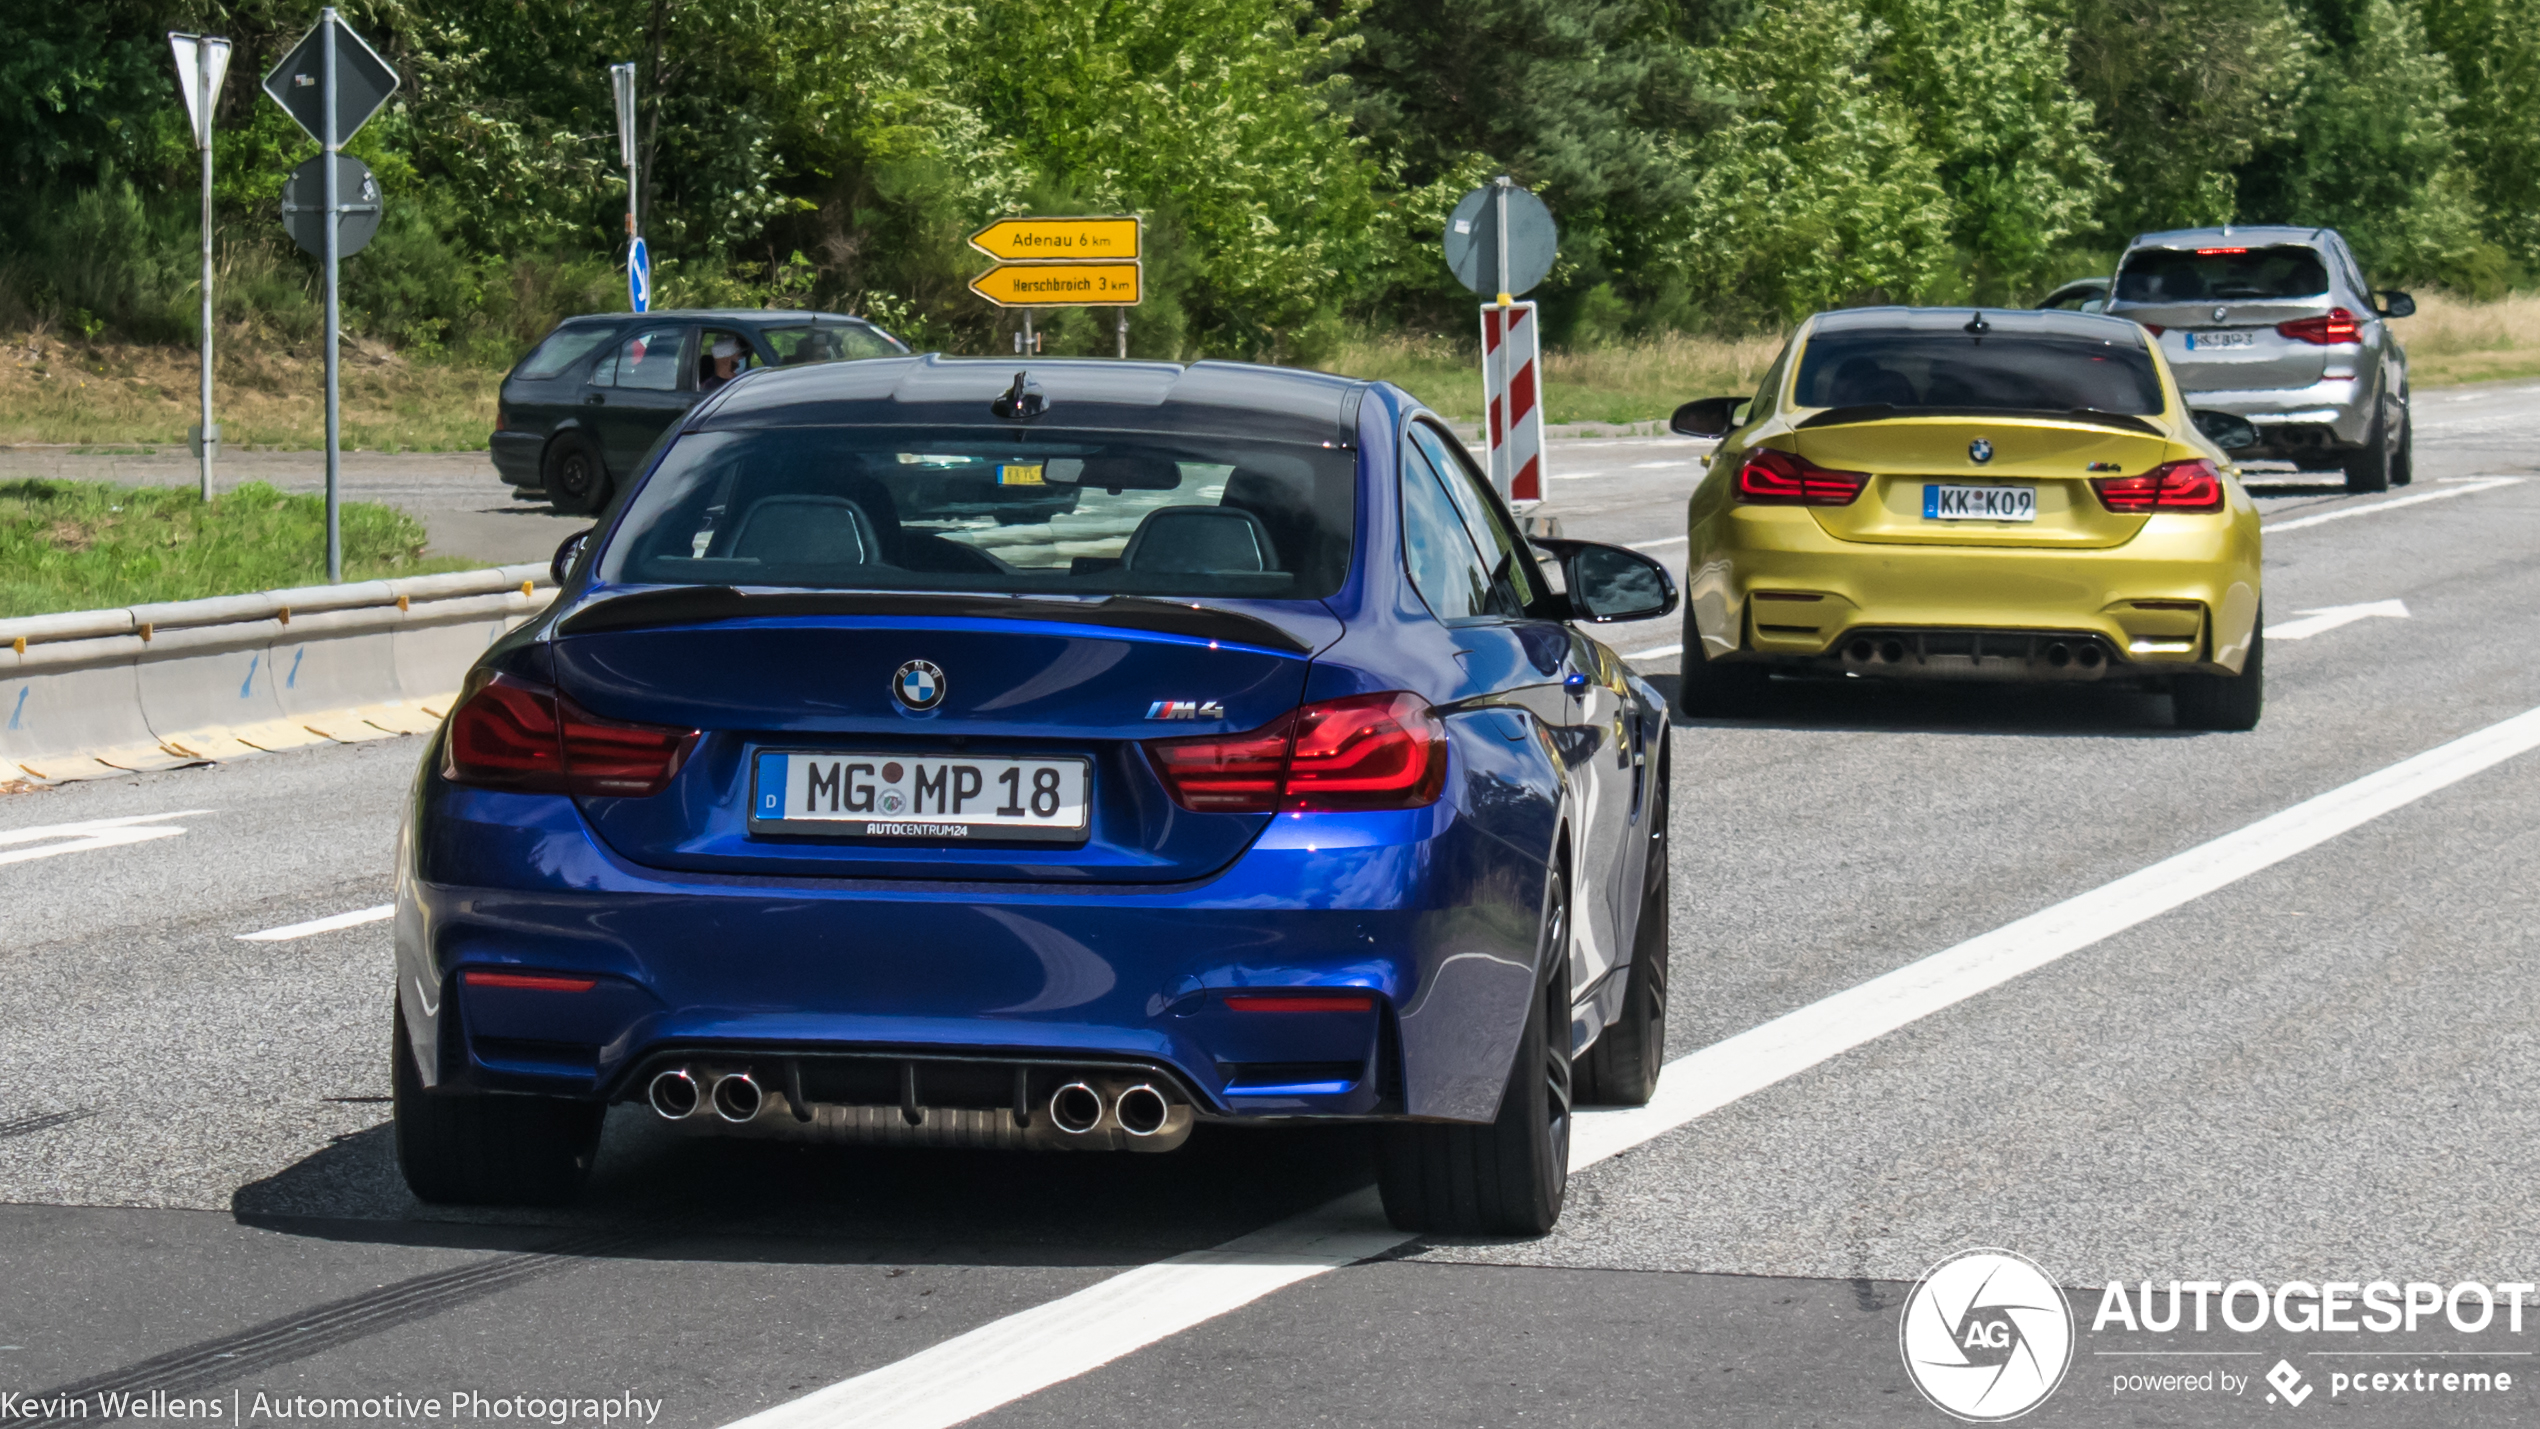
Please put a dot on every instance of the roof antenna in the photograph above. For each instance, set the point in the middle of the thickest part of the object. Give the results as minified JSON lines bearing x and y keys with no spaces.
{"x":1977,"y":327}
{"x":1022,"y":401}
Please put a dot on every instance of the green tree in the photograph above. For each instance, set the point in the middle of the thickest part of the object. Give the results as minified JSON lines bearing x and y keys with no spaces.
{"x":2493,"y":47}
{"x":2370,"y":149}
{"x":1819,"y":190}
{"x":2184,"y":93}
{"x":1987,"y":82}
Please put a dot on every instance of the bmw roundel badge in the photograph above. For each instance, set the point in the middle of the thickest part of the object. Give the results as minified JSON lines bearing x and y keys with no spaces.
{"x":1979,"y":451}
{"x":918,"y":685}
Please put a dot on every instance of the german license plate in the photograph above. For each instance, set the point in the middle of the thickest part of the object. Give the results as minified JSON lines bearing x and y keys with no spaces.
{"x":1979,"y":503}
{"x":2202,"y":341}
{"x":919,"y":798}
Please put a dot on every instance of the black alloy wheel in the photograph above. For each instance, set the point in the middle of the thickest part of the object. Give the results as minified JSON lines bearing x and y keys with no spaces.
{"x":2225,"y":702}
{"x":1508,"y":1177}
{"x":1622,"y":1068}
{"x":577,"y":482}
{"x":1712,"y":689}
{"x":464,"y":1149}
{"x":2368,"y":470}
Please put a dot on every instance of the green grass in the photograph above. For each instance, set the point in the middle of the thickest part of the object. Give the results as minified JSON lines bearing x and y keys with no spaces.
{"x":87,"y":545}
{"x":1636,"y":381}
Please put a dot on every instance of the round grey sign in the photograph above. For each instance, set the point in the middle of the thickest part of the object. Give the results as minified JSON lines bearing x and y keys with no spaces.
{"x":1472,"y":240}
{"x":304,"y":205}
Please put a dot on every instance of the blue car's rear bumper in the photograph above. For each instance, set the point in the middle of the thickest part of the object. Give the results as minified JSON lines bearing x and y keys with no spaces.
{"x":1424,"y":909}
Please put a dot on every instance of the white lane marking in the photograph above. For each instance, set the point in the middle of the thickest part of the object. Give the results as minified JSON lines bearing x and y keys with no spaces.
{"x":1653,"y":652}
{"x":1661,"y":541}
{"x":1029,"y":1351}
{"x":1004,"y":1360}
{"x":1658,"y":465}
{"x":91,"y":834}
{"x":1575,"y":475}
{"x":2464,"y":489}
{"x":1723,"y":1072}
{"x":315,"y":926}
{"x":2327,"y":618}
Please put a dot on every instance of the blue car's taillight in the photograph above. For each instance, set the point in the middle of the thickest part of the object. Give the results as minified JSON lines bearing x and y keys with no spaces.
{"x":1383,"y":751}
{"x":511,"y":733}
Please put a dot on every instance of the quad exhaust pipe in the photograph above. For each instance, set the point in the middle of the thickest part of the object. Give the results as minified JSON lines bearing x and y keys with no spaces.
{"x":1096,"y":1112}
{"x":677,"y":1094}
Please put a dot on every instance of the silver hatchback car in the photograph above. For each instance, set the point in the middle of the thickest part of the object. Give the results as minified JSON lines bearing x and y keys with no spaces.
{"x":2276,"y":326}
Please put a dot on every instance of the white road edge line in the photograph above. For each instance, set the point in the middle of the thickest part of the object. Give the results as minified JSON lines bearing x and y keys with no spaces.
{"x":2298,"y":522}
{"x":1661,"y":541}
{"x":92,"y":834}
{"x":315,"y":926}
{"x":1029,"y":1351}
{"x":1652,"y":653}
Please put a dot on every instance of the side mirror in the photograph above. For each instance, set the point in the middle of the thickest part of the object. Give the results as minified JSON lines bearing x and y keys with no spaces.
{"x":2225,"y":430}
{"x":1608,"y":584}
{"x":569,"y":552}
{"x":1710,"y":417}
{"x":2395,"y":304}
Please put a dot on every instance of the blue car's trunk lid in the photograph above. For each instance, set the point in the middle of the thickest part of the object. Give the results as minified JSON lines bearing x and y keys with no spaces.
{"x":1019,"y":678}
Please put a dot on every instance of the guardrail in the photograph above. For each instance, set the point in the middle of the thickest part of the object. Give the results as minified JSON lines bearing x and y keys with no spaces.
{"x":89,"y":693}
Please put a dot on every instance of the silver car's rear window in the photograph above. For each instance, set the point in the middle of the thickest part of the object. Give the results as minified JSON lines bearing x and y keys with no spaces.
{"x":1093,"y":513}
{"x":2221,"y":275}
{"x":1996,"y":371}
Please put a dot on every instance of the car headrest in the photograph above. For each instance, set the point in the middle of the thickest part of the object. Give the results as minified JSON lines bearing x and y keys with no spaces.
{"x":806,"y":530}
{"x":1199,"y":540}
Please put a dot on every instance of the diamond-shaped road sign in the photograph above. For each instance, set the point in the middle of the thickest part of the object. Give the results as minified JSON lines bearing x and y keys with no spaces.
{"x":363,"y":82}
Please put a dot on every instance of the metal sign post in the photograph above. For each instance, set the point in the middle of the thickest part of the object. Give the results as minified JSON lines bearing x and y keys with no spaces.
{"x":201,"y":63}
{"x":331,"y":84}
{"x":1062,"y":263}
{"x":639,"y":257}
{"x":1500,"y":254}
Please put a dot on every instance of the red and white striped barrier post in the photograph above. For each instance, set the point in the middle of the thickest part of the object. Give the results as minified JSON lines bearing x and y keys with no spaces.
{"x":1512,"y":392}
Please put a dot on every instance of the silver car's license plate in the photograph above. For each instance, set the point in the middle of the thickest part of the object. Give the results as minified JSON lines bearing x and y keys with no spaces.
{"x":919,"y":798}
{"x":2237,"y":337}
{"x":1979,"y":503}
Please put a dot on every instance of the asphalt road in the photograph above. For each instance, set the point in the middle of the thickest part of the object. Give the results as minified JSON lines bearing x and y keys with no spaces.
{"x":2318,"y":1068}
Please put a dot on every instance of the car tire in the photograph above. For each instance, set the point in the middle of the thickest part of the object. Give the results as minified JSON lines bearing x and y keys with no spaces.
{"x":2225,"y":702}
{"x":1712,"y":689}
{"x":1622,"y":1068}
{"x":2403,"y":465}
{"x":464,"y":1149}
{"x":577,"y":480}
{"x":1508,"y":1177}
{"x":2369,"y":469}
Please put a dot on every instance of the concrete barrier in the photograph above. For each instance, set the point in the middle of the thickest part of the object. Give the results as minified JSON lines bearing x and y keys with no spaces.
{"x":87,"y":694}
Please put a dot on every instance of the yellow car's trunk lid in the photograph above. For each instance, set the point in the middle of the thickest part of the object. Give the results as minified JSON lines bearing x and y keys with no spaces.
{"x":1927,"y":486}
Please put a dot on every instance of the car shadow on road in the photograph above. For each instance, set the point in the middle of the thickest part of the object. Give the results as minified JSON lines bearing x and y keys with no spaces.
{"x":724,"y":1198}
{"x":1947,"y":707}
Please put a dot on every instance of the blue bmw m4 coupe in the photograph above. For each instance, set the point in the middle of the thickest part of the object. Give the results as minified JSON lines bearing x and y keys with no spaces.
{"x":926,"y":753}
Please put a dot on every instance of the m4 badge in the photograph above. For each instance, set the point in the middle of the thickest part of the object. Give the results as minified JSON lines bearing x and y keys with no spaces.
{"x":1186,"y":709}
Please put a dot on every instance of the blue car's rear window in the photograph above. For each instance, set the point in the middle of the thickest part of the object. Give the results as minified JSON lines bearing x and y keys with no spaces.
{"x":1104,"y":513}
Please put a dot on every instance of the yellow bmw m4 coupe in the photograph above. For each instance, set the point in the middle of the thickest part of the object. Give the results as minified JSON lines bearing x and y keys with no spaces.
{"x":1972,"y":494}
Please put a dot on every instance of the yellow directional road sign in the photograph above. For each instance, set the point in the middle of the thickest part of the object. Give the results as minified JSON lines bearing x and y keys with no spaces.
{"x":1066,"y":240}
{"x":1059,"y":285}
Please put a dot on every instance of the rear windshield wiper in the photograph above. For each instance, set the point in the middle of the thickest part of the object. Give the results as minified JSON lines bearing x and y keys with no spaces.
{"x":698,"y":604}
{"x":1882,"y":411}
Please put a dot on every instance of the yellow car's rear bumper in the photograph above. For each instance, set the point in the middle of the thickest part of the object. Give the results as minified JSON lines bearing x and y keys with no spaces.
{"x":2180,"y":596}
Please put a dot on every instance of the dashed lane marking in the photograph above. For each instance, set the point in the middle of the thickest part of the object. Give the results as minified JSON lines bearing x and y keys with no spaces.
{"x":2466,"y":488}
{"x":315,"y":926}
{"x":89,"y":835}
{"x":1027,"y":1352}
